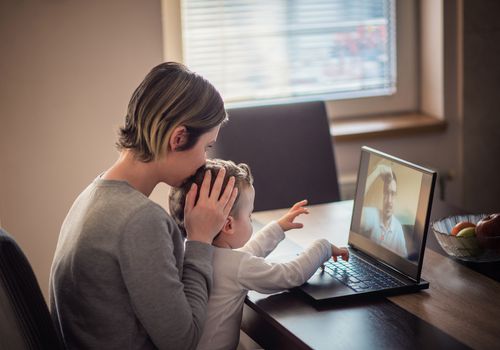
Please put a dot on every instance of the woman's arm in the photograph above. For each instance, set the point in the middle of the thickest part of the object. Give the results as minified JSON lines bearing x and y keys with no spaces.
{"x":171,"y":307}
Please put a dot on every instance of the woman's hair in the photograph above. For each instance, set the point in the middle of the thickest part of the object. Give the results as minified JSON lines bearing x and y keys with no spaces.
{"x":242,"y":175}
{"x":169,"y":96}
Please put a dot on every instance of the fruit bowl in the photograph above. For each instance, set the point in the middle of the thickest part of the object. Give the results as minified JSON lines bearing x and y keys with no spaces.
{"x":466,"y":248}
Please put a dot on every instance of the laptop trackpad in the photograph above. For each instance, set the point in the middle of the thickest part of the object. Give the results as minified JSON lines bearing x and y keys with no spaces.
{"x":321,"y":286}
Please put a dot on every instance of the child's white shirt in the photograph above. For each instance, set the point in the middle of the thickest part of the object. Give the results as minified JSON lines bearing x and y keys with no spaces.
{"x":240,"y":270}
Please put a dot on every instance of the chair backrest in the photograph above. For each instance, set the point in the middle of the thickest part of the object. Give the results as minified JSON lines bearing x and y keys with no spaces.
{"x":25,"y":321}
{"x":289,"y":150}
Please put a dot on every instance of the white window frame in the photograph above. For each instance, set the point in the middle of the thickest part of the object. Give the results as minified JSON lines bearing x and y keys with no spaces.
{"x":404,"y":100}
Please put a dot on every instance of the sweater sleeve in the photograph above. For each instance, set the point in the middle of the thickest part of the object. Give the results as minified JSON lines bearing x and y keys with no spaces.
{"x":255,"y":273}
{"x":265,"y":240}
{"x":172,"y":310}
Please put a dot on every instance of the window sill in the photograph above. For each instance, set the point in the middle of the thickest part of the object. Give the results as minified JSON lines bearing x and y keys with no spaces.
{"x":388,"y":125}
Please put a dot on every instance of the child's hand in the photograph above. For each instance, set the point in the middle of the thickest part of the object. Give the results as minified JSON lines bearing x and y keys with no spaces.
{"x":286,"y":221}
{"x":343,"y":252}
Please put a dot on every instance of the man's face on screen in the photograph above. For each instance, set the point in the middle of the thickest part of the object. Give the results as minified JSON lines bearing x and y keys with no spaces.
{"x":390,"y":188}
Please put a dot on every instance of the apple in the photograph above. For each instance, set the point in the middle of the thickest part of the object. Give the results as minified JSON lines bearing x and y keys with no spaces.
{"x":467,"y":232}
{"x":460,"y":226}
{"x":488,"y":231}
{"x":489,"y":226}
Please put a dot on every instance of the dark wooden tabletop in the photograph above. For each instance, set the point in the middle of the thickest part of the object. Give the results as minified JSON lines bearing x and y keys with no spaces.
{"x":461,"y":309}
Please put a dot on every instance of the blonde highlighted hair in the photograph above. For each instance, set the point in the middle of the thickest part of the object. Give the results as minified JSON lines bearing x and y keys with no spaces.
{"x":169,"y":96}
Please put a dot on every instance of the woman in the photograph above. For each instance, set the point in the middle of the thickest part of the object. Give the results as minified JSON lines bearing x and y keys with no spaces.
{"x":121,"y":276}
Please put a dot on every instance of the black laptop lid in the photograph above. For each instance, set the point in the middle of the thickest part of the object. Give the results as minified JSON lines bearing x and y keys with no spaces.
{"x":391,"y":210}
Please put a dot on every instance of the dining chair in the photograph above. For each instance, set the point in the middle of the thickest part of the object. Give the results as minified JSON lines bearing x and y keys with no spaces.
{"x":289,"y":150}
{"x":25,"y":321}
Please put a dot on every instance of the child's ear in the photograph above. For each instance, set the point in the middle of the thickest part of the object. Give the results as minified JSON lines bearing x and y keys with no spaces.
{"x":228,"y":227}
{"x":178,"y":138}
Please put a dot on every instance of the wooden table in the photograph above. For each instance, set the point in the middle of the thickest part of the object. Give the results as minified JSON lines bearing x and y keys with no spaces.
{"x":461,"y":309}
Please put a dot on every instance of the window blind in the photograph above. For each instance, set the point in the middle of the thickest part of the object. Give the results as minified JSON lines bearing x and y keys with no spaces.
{"x":277,"y":49}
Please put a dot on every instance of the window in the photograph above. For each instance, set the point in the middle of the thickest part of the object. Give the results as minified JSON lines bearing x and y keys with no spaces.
{"x":258,"y":50}
{"x":344,"y":52}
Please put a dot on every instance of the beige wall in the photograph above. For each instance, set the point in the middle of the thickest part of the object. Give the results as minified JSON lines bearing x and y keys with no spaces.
{"x":67,"y":71}
{"x":481,"y":105}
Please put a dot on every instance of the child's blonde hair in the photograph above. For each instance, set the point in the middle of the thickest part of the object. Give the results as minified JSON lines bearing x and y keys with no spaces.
{"x":242,"y":175}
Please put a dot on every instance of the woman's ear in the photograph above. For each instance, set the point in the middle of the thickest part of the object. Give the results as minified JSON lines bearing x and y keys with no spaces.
{"x":228,"y":227}
{"x":178,"y":138}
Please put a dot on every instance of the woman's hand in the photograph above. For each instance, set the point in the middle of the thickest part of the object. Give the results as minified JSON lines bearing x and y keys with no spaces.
{"x":286,"y":221}
{"x":204,"y":220}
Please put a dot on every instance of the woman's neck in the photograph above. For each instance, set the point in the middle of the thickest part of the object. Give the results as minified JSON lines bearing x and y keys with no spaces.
{"x":140,"y":175}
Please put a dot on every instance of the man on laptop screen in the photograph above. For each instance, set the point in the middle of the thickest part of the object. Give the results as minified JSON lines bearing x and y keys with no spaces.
{"x":387,"y":235}
{"x":389,"y":210}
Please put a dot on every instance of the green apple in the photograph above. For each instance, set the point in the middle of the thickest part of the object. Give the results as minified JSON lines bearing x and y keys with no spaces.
{"x":467,"y":232}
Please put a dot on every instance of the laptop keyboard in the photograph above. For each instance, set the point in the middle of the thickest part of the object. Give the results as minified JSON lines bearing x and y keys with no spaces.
{"x":359,"y":275}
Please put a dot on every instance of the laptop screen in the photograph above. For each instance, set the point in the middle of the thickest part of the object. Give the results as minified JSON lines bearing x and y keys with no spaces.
{"x":391,"y":210}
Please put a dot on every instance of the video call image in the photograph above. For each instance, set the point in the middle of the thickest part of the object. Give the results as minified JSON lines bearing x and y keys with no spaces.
{"x":390,"y":207}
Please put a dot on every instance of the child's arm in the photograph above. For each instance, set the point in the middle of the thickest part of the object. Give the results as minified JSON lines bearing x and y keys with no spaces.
{"x":265,"y":277}
{"x":264,"y":241}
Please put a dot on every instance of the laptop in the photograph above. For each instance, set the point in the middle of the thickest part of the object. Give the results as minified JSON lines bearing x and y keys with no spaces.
{"x":387,"y":235}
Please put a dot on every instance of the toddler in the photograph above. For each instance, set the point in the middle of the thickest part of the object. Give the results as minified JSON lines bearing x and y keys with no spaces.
{"x":239,"y":263}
